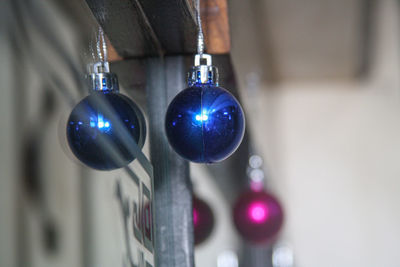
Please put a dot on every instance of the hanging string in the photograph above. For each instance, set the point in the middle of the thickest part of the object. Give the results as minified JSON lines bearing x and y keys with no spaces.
{"x":103,"y":40}
{"x":102,"y":52}
{"x":92,"y":37}
{"x":200,"y":36}
{"x":98,"y":45}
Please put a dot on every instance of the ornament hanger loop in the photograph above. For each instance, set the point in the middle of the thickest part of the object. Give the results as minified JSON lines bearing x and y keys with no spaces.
{"x":203,"y":72}
{"x":201,"y":58}
{"x":101,"y":66}
{"x":100,"y":78}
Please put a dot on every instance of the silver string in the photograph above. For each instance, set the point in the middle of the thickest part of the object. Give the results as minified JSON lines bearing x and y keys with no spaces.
{"x":200,"y":36}
{"x":98,"y":45}
{"x":103,"y":40}
{"x":92,"y":36}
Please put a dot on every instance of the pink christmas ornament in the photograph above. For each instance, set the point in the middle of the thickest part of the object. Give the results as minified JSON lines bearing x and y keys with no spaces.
{"x":203,"y":220}
{"x":258,"y":216}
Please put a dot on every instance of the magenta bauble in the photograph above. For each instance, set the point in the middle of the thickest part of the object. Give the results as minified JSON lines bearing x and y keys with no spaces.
{"x":258,"y":216}
{"x":203,"y":220}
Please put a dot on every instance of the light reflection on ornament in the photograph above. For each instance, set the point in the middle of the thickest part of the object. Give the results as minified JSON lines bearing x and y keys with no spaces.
{"x":202,"y":117}
{"x":258,"y":212}
{"x":100,"y":123}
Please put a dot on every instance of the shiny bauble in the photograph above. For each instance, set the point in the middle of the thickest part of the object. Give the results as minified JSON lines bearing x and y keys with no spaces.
{"x":203,"y":220}
{"x":102,"y":127}
{"x":258,"y":216}
{"x":205,"y":123}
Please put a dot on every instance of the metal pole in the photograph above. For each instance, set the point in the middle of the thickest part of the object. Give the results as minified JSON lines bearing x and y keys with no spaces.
{"x":257,"y":256}
{"x":172,"y":204}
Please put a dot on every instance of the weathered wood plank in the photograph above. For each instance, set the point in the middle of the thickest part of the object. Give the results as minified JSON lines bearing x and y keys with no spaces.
{"x":149,"y":28}
{"x":174,"y":24}
{"x":127,"y":27}
{"x":214,"y":15}
{"x":172,"y":186}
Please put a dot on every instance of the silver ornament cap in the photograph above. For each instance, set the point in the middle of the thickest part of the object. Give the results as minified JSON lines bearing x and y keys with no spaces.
{"x":101,"y":79}
{"x":203,"y":72}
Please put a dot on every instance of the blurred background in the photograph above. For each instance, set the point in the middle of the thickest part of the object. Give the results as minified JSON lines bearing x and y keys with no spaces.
{"x":319,"y":83}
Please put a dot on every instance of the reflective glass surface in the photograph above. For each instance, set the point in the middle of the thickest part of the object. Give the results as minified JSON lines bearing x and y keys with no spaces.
{"x":99,"y":128}
{"x":204,"y":123}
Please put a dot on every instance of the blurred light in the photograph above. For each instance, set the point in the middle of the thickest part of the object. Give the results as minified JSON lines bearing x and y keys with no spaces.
{"x":256,"y":175}
{"x":195,"y":216}
{"x":282,"y":256}
{"x":253,"y":80}
{"x":258,"y":216}
{"x":202,"y":117}
{"x":258,"y":212}
{"x":101,"y":123}
{"x":203,"y":220}
{"x":256,"y":186}
{"x":227,"y":258}
{"x":255,"y":161}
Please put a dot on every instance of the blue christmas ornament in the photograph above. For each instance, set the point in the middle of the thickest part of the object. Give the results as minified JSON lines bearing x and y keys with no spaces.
{"x":204,"y":123}
{"x":102,"y":127}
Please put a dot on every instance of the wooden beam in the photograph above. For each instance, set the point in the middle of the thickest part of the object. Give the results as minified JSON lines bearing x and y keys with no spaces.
{"x":172,"y":202}
{"x":112,"y":52}
{"x":174,"y":24}
{"x":214,"y":15}
{"x":149,"y":28}
{"x":127,"y":27}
